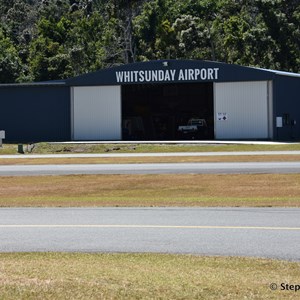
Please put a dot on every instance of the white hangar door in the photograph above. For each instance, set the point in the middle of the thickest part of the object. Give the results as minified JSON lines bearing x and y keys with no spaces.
{"x":96,"y":113}
{"x":241,"y":110}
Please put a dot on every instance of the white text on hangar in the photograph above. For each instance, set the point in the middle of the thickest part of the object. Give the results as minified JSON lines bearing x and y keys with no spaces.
{"x":167,"y":75}
{"x":156,"y":100}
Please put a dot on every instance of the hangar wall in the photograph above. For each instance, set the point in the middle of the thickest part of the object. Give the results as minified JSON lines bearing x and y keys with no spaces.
{"x":241,"y":110}
{"x":96,"y":113}
{"x":35,"y":113}
{"x":287,"y":107}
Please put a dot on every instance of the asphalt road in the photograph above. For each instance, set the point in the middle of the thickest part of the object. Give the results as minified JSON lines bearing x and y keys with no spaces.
{"x":152,"y":168}
{"x":156,"y":154}
{"x":255,"y":232}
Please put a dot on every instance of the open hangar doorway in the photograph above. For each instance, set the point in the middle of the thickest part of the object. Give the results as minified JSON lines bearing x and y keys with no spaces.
{"x":168,"y":111}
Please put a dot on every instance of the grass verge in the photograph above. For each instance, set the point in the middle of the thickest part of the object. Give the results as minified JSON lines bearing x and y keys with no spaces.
{"x":48,"y":148}
{"x":142,"y":276}
{"x":151,"y":190}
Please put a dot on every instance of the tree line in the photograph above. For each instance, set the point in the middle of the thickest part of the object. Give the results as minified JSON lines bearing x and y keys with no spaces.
{"x":56,"y":39}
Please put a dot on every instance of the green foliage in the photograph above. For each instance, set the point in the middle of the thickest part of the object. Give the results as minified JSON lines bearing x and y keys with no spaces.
{"x":55,"y":39}
{"x":9,"y":60}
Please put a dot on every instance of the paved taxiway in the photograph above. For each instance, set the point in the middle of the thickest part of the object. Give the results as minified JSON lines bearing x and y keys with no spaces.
{"x":259,"y":232}
{"x":152,"y":168}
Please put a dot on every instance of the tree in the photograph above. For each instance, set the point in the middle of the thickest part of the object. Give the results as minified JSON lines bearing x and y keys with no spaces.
{"x":193,"y":38}
{"x":155,"y":38}
{"x":53,"y":39}
{"x":85,"y":42}
{"x":123,"y":13}
{"x":281,"y":20}
{"x":10,"y":64}
{"x":47,"y":58}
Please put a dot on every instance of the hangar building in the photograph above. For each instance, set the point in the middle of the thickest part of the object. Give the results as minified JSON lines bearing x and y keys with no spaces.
{"x":156,"y":100}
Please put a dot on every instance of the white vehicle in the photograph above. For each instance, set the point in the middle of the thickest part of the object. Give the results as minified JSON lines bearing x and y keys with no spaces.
{"x":193,"y":125}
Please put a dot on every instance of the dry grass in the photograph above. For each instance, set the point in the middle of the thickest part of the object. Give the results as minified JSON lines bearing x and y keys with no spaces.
{"x":142,"y":276}
{"x":152,"y":190}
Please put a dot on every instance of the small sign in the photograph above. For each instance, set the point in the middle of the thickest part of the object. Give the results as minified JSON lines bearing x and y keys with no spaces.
{"x":2,"y":136}
{"x":278,"y":122}
{"x":222,"y":117}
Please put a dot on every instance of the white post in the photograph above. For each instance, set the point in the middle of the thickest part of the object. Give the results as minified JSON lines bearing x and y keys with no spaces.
{"x":2,"y":136}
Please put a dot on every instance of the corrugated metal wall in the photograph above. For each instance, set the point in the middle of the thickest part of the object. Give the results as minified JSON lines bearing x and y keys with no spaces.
{"x":241,"y":110}
{"x":287,"y":104}
{"x":35,"y":113}
{"x":96,"y":113}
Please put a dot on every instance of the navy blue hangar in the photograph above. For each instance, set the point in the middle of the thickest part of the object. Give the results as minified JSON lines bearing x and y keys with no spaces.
{"x":156,"y":100}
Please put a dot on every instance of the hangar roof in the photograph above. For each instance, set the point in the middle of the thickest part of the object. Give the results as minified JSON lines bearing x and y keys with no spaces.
{"x":30,"y":84}
{"x":171,"y":71}
{"x":165,"y":71}
{"x":281,"y":72}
